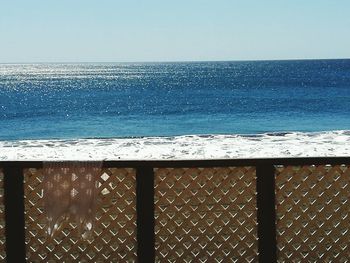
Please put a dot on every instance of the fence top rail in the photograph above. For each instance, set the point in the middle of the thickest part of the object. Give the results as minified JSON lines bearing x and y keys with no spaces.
{"x":198,"y":163}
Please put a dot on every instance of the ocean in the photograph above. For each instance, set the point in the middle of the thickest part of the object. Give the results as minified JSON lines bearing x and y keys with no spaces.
{"x":68,"y":104}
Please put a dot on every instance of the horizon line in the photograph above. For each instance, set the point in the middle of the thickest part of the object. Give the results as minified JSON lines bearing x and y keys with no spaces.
{"x":171,"y":61}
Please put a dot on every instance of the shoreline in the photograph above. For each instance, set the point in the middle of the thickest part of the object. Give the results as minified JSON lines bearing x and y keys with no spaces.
{"x":186,"y":147}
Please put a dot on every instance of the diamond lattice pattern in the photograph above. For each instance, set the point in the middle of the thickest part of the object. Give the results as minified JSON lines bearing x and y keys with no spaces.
{"x":206,"y":215}
{"x":313,"y":213}
{"x":114,"y":233}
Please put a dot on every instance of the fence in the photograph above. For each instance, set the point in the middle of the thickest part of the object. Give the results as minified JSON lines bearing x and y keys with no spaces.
{"x":251,"y":210}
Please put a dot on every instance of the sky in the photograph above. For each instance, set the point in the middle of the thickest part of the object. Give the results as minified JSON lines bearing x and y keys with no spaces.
{"x":169,"y":30}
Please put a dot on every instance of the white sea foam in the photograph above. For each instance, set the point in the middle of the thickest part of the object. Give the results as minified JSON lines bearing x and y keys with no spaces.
{"x":294,"y":144}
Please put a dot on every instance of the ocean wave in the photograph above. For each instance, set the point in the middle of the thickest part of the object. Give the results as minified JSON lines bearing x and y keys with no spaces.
{"x":279,"y":144}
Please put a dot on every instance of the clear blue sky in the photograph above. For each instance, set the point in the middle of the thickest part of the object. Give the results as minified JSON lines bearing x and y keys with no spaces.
{"x":167,"y":30}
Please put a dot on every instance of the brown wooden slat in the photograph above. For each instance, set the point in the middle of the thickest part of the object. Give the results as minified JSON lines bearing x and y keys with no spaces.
{"x":202,"y":163}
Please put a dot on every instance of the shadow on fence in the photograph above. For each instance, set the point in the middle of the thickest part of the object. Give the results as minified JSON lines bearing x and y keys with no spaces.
{"x":266,"y":210}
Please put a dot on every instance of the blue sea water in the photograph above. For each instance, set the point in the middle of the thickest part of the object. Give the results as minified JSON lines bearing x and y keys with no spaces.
{"x":44,"y":101}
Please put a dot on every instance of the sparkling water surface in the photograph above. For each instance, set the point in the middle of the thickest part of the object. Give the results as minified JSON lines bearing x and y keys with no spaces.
{"x":45,"y":101}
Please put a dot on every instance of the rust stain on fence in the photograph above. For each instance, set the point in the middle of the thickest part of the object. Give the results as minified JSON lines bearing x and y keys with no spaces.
{"x":206,"y":215}
{"x":313,"y":212}
{"x":114,"y":232}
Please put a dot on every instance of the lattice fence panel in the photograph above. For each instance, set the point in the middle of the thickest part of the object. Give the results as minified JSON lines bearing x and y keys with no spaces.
{"x":313,"y":212}
{"x":2,"y":218}
{"x":206,"y":215}
{"x":114,"y":233}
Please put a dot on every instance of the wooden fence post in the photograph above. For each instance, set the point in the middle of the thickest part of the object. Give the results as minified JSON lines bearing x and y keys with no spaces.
{"x":145,"y":214}
{"x":14,"y":214}
{"x":265,"y":187}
